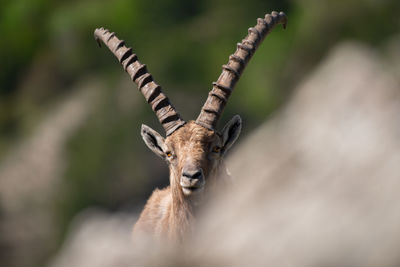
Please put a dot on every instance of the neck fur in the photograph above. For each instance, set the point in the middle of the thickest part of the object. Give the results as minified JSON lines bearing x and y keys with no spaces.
{"x":182,"y":215}
{"x":183,"y":209}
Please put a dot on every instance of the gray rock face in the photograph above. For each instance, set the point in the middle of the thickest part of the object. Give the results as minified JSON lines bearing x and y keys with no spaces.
{"x":318,"y":184}
{"x":315,"y":186}
{"x":98,"y":239}
{"x":30,"y":176}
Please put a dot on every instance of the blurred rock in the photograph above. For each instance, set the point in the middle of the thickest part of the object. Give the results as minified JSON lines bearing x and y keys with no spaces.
{"x":29,"y":179}
{"x":315,"y":186}
{"x":98,"y":239}
{"x":392,"y":54}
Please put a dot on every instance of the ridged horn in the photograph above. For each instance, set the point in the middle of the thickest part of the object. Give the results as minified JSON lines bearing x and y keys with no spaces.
{"x":231,"y":72}
{"x":159,"y":102}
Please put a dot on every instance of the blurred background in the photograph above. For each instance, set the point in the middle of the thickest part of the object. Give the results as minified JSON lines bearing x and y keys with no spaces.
{"x":70,"y":117}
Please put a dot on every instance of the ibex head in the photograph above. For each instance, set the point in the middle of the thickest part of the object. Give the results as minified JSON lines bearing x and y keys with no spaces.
{"x":193,"y":150}
{"x":193,"y":153}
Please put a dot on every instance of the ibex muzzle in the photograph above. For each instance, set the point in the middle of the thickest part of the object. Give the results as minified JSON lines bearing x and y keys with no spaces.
{"x":193,"y":150}
{"x":192,"y":178}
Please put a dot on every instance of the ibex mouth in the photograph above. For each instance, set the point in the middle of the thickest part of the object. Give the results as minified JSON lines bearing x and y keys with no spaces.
{"x":189,"y":190}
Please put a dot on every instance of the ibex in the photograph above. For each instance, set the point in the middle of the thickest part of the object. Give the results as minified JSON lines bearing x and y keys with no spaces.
{"x":193,"y":150}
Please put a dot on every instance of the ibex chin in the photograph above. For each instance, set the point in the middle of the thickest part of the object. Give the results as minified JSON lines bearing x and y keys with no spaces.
{"x":193,"y":150}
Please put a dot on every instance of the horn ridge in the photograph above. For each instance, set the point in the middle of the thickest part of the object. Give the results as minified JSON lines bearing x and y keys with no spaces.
{"x":159,"y":102}
{"x":231,"y":72}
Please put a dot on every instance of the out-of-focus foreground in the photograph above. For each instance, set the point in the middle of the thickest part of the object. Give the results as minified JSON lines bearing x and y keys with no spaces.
{"x":314,"y":185}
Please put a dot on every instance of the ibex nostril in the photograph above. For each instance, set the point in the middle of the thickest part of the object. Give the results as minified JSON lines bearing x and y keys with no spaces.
{"x":193,"y":174}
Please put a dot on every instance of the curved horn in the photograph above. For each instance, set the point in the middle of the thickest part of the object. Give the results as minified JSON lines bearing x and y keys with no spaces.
{"x":231,"y":72}
{"x":165,"y":112}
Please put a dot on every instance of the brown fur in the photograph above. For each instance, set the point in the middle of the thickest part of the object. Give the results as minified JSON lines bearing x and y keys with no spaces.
{"x":168,"y":212}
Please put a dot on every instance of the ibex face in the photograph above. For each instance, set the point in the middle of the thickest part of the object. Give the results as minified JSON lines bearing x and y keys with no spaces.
{"x":193,"y":153}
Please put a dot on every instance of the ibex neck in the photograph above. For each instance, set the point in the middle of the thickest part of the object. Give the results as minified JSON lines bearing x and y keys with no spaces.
{"x":183,"y":209}
{"x":182,"y":216}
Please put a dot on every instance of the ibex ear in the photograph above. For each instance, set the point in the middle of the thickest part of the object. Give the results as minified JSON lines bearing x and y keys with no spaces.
{"x":153,"y":140}
{"x":231,"y":132}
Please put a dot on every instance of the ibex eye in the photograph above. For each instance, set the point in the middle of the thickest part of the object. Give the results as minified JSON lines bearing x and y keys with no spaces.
{"x":216,"y":149}
{"x":169,"y":154}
